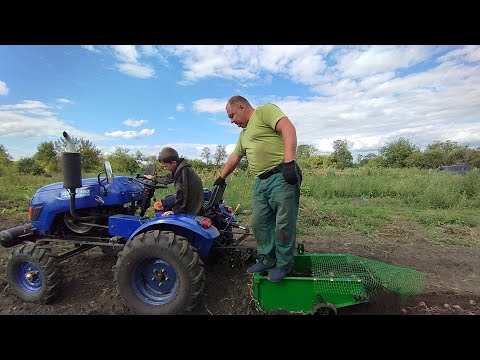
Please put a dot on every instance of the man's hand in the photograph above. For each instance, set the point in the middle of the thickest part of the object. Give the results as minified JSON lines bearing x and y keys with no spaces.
{"x":166,"y":213}
{"x":220,"y":181}
{"x":289,"y":172}
{"x":149,"y":177}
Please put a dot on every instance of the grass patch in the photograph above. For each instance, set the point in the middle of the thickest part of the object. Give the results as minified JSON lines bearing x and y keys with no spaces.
{"x":378,"y":203}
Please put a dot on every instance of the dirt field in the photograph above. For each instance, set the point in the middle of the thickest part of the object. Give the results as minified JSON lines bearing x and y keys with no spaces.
{"x":452,"y":280}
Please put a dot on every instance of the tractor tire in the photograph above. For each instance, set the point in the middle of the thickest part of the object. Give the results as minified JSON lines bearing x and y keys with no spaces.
{"x":34,"y":274}
{"x":159,"y":273}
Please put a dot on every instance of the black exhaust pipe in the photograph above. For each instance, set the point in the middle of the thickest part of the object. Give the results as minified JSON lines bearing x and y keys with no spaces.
{"x":72,"y":173}
{"x":72,"y":177}
{"x":72,"y":170}
{"x":16,"y":235}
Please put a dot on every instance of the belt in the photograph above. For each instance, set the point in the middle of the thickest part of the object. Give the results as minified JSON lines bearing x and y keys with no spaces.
{"x":267,"y":174}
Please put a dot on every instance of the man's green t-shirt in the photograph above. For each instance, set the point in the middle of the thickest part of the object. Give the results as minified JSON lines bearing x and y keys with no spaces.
{"x":259,"y":141}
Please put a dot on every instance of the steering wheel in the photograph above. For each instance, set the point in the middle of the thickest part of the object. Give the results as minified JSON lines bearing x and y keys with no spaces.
{"x":149,"y":183}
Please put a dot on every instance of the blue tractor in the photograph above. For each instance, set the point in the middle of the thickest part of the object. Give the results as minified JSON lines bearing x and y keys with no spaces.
{"x":160,"y":260}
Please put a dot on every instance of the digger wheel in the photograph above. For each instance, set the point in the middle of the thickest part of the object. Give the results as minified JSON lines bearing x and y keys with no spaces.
{"x":159,"y":273}
{"x":34,"y":274}
{"x":324,"y":309}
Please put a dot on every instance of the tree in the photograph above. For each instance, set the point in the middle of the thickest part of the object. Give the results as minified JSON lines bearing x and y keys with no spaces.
{"x":47,"y":157}
{"x":437,"y":154}
{"x":123,"y":162}
{"x":28,"y":165}
{"x":90,"y":155}
{"x":320,"y":161}
{"x":4,"y":155}
{"x":91,"y":159}
{"x":364,"y":160}
{"x":445,"y":146}
{"x":5,"y":159}
{"x":304,"y":151}
{"x":474,"y":159}
{"x":220,"y":154}
{"x":197,"y":164}
{"x":459,"y":156}
{"x":342,"y":156}
{"x":206,"y":155}
{"x":395,"y":154}
{"x":424,"y":160}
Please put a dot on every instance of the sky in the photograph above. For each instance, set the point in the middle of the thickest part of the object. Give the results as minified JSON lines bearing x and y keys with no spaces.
{"x":144,"y":97}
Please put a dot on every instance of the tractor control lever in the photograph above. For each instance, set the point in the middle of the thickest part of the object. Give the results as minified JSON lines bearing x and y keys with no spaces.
{"x":233,"y":214}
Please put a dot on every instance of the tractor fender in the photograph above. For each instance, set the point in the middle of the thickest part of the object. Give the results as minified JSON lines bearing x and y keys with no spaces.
{"x":178,"y":221}
{"x":186,"y":226}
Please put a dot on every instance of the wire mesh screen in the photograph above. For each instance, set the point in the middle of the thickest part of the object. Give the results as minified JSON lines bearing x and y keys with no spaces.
{"x":328,"y":269}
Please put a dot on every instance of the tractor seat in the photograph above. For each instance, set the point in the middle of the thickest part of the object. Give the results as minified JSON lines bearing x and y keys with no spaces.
{"x":213,"y":198}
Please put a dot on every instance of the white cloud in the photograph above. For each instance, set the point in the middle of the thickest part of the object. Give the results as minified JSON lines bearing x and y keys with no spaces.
{"x":149,"y":50}
{"x":441,"y":103}
{"x":229,"y":148}
{"x":65,"y":101}
{"x":91,"y":48}
{"x":142,"y":71}
{"x":210,"y":105}
{"x":368,"y":95}
{"x":171,"y":118}
{"x":131,"y":134}
{"x":3,"y":88}
{"x":470,"y":53}
{"x":130,"y":64}
{"x":153,"y":51}
{"x":246,"y":63}
{"x":33,"y":120}
{"x":379,"y":59}
{"x":126,"y":53}
{"x":134,"y":123}
{"x":31,"y":107}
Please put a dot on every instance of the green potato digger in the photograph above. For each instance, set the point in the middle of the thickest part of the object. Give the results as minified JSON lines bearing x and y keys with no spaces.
{"x":319,"y":284}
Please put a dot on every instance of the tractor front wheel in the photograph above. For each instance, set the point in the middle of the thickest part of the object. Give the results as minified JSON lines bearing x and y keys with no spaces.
{"x":34,"y":274}
{"x":159,"y":273}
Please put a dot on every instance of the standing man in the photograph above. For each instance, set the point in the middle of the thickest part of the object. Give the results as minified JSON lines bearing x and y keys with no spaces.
{"x":269,"y":141}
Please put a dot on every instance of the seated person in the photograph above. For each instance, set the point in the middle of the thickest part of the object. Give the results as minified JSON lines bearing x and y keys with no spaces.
{"x":188,"y":198}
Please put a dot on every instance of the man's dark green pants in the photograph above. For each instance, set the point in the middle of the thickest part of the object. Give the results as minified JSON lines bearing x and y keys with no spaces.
{"x":274,"y":219}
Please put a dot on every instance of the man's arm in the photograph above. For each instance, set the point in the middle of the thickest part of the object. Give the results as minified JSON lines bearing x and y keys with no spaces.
{"x":289,"y":136}
{"x":161,"y":179}
{"x":164,"y":179}
{"x":232,"y":162}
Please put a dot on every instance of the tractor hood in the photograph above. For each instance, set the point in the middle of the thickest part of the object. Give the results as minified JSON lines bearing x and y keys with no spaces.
{"x":59,"y":185}
{"x":124,"y":189}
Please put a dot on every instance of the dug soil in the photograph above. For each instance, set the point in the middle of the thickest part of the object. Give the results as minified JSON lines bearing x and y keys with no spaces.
{"x":452,"y":280}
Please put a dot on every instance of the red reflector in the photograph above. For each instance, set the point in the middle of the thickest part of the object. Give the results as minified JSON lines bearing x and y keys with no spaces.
{"x":229,"y":209}
{"x":30,"y":212}
{"x":206,"y":223}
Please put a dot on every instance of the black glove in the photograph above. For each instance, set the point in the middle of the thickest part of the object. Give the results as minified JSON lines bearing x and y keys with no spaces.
{"x":220,"y":181}
{"x":289,"y":172}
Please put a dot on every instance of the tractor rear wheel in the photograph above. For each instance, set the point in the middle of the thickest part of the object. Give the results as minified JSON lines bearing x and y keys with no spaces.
{"x":159,"y":273}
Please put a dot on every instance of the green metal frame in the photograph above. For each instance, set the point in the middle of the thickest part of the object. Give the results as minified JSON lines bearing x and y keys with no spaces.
{"x":303,"y":293}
